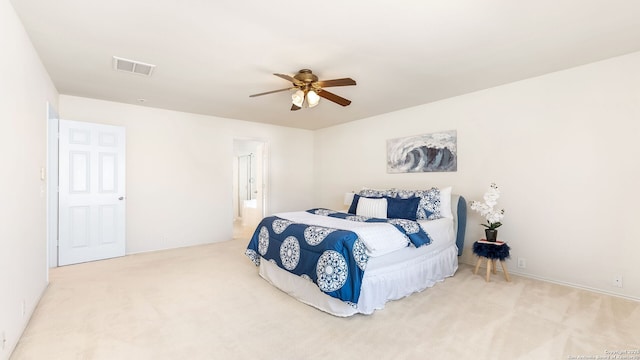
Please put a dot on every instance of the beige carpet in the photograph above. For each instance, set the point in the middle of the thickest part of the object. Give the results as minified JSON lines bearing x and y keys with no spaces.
{"x":208,"y":302}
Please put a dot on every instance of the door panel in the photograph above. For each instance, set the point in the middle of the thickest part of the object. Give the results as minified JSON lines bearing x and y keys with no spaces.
{"x":108,"y":173}
{"x":92,"y":192}
{"x":79,"y":226}
{"x":108,"y":223}
{"x":79,"y":172}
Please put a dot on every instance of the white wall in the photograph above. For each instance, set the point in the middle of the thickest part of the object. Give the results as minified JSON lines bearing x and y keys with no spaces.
{"x":563,"y":148}
{"x":179,"y":170}
{"x":25,"y":88}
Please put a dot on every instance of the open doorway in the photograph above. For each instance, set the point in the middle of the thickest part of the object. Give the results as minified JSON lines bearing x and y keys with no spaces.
{"x":249,"y":186}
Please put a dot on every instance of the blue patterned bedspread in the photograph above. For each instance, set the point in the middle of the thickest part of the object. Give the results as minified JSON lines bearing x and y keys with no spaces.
{"x":409,"y":228}
{"x":333,"y":259}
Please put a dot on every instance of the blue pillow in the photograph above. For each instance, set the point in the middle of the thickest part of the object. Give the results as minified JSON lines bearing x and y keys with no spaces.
{"x":429,"y":207}
{"x":354,"y":204}
{"x":403,"y":208}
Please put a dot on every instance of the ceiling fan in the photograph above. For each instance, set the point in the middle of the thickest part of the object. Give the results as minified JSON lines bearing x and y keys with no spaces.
{"x":310,"y":89}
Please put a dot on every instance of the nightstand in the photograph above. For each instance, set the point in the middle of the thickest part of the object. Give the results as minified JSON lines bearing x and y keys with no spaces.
{"x":493,"y":252}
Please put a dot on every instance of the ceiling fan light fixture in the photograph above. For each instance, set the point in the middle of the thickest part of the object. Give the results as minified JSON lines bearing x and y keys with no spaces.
{"x":307,"y":88}
{"x":297,"y":98}
{"x":313,"y":98}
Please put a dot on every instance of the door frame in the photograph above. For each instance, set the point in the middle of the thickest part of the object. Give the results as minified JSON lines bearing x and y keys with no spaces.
{"x":265,"y":170}
{"x":53,"y":121}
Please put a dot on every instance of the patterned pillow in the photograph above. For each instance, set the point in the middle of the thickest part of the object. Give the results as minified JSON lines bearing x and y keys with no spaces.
{"x":373,"y":193}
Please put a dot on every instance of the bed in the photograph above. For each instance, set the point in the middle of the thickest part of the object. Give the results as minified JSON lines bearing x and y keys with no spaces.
{"x":368,"y":256}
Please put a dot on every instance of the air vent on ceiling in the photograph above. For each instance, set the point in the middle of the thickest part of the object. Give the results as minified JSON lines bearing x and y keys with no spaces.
{"x":131,"y":66}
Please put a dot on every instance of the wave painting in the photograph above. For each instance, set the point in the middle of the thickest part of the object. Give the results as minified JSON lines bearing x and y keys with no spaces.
{"x":423,"y":153}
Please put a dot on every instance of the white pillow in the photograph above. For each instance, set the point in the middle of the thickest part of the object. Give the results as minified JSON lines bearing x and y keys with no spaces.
{"x":445,"y":203}
{"x":376,"y":208}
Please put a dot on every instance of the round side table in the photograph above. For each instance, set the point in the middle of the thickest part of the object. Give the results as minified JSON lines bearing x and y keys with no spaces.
{"x":494,"y":252}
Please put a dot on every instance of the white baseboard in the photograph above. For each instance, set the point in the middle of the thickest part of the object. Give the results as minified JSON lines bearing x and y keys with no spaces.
{"x":569,"y":284}
{"x":173,"y":247}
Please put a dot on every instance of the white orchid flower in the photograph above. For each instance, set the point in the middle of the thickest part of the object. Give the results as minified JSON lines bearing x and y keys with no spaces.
{"x":485,"y":208}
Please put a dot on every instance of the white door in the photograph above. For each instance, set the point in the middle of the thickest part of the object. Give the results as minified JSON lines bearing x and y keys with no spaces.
{"x":92,"y":192}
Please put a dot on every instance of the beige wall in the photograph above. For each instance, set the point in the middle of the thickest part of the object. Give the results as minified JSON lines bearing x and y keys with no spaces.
{"x":25,"y":88}
{"x":563,"y":148}
{"x":179,"y":170}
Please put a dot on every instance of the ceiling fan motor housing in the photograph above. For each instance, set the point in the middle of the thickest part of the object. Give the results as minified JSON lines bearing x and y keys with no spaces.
{"x":306,"y":76}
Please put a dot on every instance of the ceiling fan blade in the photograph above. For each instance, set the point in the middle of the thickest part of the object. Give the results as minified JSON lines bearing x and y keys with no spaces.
{"x":271,"y":92}
{"x":337,"y":82}
{"x":290,"y":78}
{"x":295,"y":107}
{"x":333,"y":97}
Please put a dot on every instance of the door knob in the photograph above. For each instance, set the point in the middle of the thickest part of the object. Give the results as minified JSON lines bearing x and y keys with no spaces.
{"x":121,"y":198}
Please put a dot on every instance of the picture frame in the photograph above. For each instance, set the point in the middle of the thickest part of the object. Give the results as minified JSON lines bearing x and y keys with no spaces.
{"x":434,"y":152}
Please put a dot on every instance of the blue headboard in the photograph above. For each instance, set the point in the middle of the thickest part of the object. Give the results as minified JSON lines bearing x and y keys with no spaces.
{"x":459,"y":210}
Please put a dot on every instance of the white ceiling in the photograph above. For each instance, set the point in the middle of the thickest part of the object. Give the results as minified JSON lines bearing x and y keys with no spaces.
{"x":212,"y":54}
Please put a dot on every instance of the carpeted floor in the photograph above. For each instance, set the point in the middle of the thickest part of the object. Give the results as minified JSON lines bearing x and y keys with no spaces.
{"x":208,"y":302}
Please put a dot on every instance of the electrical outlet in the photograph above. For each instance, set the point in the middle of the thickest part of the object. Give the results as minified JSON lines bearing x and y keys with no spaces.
{"x":522,"y":263}
{"x":3,"y":340}
{"x":617,"y":281}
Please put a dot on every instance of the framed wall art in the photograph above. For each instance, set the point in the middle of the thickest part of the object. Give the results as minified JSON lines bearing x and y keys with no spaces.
{"x":423,"y":153}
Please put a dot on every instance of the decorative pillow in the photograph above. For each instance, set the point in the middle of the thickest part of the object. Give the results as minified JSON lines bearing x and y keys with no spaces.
{"x":445,"y":202}
{"x":373,"y":193}
{"x":376,"y":208}
{"x":403,"y":208}
{"x":429,"y":207}
{"x":354,"y":204}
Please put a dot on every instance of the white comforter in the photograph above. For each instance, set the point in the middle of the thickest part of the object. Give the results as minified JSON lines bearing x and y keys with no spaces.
{"x":379,"y":238}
